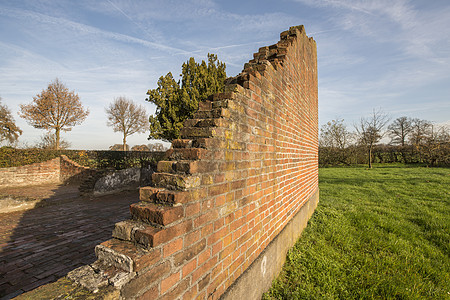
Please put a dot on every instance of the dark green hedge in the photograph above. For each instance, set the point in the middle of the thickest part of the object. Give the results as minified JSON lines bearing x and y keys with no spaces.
{"x":11,"y":157}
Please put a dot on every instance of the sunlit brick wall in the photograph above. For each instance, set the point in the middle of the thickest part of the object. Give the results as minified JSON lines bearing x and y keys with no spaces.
{"x":247,"y":163}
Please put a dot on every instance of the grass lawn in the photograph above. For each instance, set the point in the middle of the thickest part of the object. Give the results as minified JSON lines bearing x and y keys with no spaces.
{"x":376,"y":234}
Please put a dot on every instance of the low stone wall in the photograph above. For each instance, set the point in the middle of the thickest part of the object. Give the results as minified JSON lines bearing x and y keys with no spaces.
{"x":64,"y":170}
{"x":34,"y":174}
{"x":119,"y":180}
{"x":57,"y":170}
{"x":72,"y":172}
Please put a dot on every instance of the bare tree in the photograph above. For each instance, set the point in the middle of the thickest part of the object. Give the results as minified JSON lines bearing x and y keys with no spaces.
{"x":48,"y":141}
{"x":335,"y":140}
{"x":55,"y":109}
{"x":370,"y":131}
{"x":433,"y":146}
{"x":8,"y":129}
{"x":399,"y":130}
{"x":127,"y":117}
{"x":420,"y":130}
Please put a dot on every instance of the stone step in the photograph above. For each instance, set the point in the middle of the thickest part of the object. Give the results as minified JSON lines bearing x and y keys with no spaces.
{"x":164,"y":196}
{"x":205,"y":132}
{"x":161,"y":195}
{"x":214,"y":113}
{"x":204,"y":105}
{"x":148,"y":236}
{"x":207,"y":123}
{"x":126,"y":255}
{"x":176,"y":182}
{"x":222,"y":96}
{"x":182,"y":143}
{"x":186,"y":166}
{"x":187,"y":154}
{"x":158,"y":214}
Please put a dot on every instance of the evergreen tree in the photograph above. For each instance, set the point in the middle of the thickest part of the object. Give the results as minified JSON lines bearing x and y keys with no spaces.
{"x":177,"y":101}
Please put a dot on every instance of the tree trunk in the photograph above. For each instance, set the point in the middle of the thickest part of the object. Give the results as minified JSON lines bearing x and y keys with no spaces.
{"x":124,"y":143}
{"x":370,"y":157}
{"x":57,"y":138}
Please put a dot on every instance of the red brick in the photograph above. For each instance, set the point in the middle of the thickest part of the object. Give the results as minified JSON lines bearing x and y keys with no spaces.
{"x":189,"y":267}
{"x":191,"y":294}
{"x":156,"y":236}
{"x":151,"y":294}
{"x":205,"y":268}
{"x":192,"y":237}
{"x":218,"y":189}
{"x":169,"y":282}
{"x":192,"y":209}
{"x":204,"y":282}
{"x":187,"y":153}
{"x":205,"y":218}
{"x":155,"y":213}
{"x":189,"y":252}
{"x":217,"y":248}
{"x":137,"y":284}
{"x":179,"y":143}
{"x":179,"y":289}
{"x":207,"y":229}
{"x":173,"y":247}
{"x":202,"y":257}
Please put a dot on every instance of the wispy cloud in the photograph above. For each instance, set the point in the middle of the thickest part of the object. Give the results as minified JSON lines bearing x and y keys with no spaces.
{"x":417,"y":32}
{"x":86,"y":29}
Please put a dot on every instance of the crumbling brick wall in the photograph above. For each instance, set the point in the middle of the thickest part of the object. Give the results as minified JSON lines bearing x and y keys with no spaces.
{"x":72,"y":172}
{"x":57,"y":170}
{"x":37,"y":173}
{"x":246,"y":165}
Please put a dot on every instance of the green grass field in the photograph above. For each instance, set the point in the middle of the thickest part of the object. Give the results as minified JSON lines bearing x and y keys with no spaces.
{"x":382,"y":233}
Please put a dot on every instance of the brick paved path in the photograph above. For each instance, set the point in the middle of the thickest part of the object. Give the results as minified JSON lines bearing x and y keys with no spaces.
{"x":41,"y":245}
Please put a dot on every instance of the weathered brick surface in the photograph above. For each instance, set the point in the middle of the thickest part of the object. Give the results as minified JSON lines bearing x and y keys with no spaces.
{"x":37,"y":173}
{"x":246,"y":165}
{"x":60,"y":169}
{"x":156,"y":213}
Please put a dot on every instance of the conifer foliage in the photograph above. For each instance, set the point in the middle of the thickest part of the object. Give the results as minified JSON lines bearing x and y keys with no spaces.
{"x":177,"y":101}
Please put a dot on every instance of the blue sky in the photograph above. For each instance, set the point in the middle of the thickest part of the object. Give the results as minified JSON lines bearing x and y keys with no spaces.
{"x":388,"y":54}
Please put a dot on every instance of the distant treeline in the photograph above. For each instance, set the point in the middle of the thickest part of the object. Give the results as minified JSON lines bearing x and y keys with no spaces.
{"x":413,"y":141}
{"x":355,"y":155}
{"x":98,"y":159}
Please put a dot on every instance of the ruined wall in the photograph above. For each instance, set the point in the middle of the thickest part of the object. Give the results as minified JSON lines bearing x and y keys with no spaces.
{"x":72,"y":172}
{"x":37,"y":173}
{"x":57,"y":170}
{"x":244,"y":170}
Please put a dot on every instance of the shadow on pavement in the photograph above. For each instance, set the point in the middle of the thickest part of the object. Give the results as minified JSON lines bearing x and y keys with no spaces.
{"x":41,"y":245}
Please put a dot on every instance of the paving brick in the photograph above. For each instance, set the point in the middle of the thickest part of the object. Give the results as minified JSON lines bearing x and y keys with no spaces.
{"x":46,"y":242}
